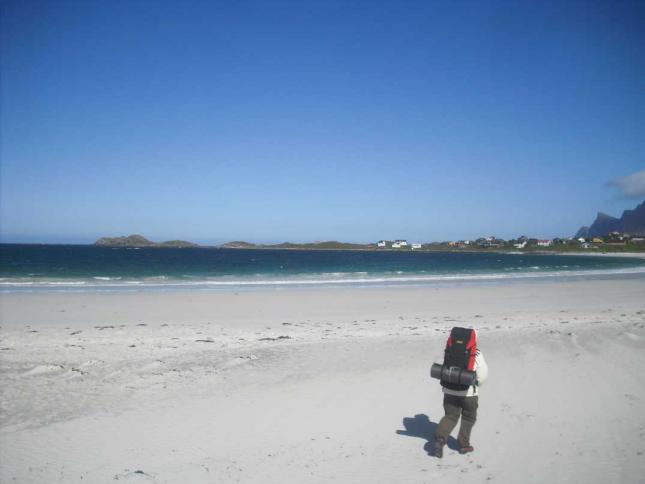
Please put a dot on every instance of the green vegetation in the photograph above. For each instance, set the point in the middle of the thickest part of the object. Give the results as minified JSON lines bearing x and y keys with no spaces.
{"x":140,"y":241}
{"x":239,"y":244}
{"x":330,"y":244}
{"x":176,"y":244}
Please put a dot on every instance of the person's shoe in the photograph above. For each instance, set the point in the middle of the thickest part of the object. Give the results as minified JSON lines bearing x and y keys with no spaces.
{"x":466,"y":449}
{"x":438,"y":447}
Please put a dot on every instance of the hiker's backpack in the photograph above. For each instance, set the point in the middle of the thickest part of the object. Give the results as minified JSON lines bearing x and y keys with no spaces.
{"x":461,"y":349}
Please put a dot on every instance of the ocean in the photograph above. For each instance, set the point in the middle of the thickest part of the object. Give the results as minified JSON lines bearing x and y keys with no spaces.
{"x":86,"y":267}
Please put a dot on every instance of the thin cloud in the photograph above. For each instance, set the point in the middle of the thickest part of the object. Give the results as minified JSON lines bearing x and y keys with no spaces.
{"x":630,"y":186}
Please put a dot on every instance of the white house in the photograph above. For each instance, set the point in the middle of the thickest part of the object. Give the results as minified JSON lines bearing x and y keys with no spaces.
{"x":521,"y":245}
{"x":544,"y":243}
{"x":402,"y":243}
{"x":416,"y":246}
{"x":581,"y":240}
{"x":396,"y":245}
{"x":381,"y":243}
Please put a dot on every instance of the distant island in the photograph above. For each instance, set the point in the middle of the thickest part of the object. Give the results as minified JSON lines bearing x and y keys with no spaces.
{"x":137,"y":240}
{"x":140,"y":241}
{"x":330,"y":244}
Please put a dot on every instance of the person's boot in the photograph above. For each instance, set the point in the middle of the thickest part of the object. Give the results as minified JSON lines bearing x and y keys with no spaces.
{"x":438,"y":447}
{"x":466,"y":449}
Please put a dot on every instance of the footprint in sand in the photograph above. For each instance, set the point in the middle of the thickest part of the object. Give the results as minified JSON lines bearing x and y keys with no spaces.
{"x":44,"y":370}
{"x":134,"y":476}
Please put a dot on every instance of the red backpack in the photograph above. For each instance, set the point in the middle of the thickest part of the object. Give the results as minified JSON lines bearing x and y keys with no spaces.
{"x":461,"y":349}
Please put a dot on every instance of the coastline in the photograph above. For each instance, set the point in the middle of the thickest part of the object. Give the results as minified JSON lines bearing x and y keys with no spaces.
{"x":306,"y":247}
{"x":359,"y":280}
{"x":631,"y":255}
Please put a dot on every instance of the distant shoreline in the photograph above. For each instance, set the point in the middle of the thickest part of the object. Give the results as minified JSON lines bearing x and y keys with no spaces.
{"x":447,"y":250}
{"x":633,"y":255}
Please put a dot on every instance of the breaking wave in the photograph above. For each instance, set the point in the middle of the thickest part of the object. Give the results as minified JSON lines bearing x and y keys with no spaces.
{"x":326,"y":279}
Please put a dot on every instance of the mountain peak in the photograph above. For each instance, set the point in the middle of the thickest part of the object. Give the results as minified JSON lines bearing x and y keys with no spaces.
{"x":603,"y":216}
{"x":631,"y":222}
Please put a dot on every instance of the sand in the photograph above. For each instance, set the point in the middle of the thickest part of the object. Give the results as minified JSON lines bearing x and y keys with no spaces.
{"x":305,"y":385}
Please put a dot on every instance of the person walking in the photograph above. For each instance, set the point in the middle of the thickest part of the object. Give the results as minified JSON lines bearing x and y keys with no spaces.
{"x":460,"y":400}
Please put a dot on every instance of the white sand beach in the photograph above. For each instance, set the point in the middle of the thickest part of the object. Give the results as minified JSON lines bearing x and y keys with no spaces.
{"x":320,"y":385}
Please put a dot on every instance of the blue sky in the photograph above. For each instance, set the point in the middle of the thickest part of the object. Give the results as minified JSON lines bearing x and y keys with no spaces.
{"x":302,"y":121}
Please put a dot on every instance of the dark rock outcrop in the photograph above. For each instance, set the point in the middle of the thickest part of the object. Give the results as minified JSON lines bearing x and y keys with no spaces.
{"x":632,"y":222}
{"x":603,"y":225}
{"x":582,"y":232}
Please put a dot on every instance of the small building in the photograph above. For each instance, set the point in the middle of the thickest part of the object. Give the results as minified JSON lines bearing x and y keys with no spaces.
{"x":399,"y":243}
{"x":587,"y":245}
{"x":637,"y":240}
{"x":381,"y":243}
{"x":582,"y":240}
{"x":544,"y":243}
{"x":521,"y":245}
{"x":597,"y":240}
{"x":416,"y":246}
{"x":617,"y":237}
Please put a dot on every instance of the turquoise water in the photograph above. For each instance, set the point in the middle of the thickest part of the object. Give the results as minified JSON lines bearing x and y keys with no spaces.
{"x":78,"y":266}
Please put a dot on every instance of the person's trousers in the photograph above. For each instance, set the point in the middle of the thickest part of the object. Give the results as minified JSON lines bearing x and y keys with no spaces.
{"x":454,"y":406}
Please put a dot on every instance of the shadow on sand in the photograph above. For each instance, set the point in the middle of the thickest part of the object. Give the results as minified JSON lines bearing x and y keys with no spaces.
{"x":421,"y":426}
